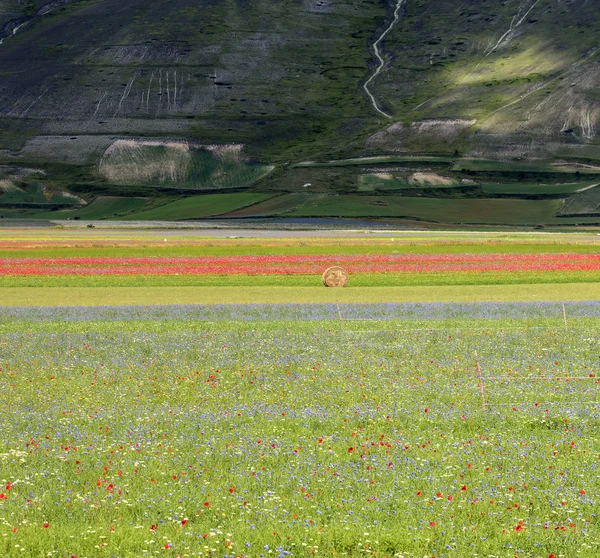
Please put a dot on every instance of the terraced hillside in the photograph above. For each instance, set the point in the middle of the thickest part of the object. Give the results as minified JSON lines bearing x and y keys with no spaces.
{"x":291,"y":81}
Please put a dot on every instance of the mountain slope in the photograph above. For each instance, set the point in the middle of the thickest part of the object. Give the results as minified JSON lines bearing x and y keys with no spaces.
{"x":220,"y":70}
{"x":255,"y":71}
{"x":291,"y":81}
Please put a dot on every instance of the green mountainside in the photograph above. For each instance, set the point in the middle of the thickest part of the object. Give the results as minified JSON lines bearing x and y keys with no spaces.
{"x":158,"y":100}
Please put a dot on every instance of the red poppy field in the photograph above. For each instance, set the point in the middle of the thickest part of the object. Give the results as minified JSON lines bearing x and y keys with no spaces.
{"x":303,"y":264}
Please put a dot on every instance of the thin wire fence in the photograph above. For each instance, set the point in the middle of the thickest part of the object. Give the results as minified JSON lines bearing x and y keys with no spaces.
{"x":484,"y":381}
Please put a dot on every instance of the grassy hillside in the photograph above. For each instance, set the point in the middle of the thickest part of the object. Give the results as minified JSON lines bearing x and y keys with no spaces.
{"x":150,"y":99}
{"x":102,"y":207}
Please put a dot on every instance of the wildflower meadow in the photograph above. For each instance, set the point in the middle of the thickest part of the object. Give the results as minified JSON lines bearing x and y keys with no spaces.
{"x":330,"y":426}
{"x":281,"y":430}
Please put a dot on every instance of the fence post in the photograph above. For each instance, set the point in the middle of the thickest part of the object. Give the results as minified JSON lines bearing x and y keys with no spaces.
{"x":340,"y":316}
{"x":481,"y":386}
{"x":565,"y":315}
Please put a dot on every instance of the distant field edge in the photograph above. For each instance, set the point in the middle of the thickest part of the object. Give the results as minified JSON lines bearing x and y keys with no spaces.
{"x":123,"y":296}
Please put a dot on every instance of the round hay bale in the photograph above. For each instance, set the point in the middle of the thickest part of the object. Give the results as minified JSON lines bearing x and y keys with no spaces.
{"x":335,"y":277}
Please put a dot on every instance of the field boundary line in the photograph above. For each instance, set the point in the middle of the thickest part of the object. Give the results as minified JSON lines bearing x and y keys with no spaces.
{"x":533,"y":378}
{"x":348,"y":331}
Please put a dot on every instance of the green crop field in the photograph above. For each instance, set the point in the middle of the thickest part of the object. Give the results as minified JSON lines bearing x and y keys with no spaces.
{"x":246,"y":293}
{"x":517,"y":188}
{"x":584,"y":203}
{"x":196,"y":207}
{"x":520,"y":167}
{"x":512,"y":212}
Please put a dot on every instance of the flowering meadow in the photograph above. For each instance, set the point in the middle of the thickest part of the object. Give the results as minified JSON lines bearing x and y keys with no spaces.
{"x":299,"y":430}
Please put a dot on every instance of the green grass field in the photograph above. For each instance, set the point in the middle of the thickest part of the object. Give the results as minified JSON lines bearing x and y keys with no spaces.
{"x":499,"y":211}
{"x":55,"y":243}
{"x":247,"y":294}
{"x":587,"y":202}
{"x":366,"y":280}
{"x":534,"y":189}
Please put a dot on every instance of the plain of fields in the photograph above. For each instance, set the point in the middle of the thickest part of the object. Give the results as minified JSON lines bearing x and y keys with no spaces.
{"x":254,"y":411}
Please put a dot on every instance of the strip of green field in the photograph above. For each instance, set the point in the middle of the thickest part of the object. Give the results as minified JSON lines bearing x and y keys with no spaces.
{"x":196,"y":207}
{"x":476,"y":165}
{"x":356,"y":280}
{"x":534,"y":189}
{"x":119,"y":296}
{"x":363,"y":161}
{"x":81,"y":246}
{"x":101,"y":208}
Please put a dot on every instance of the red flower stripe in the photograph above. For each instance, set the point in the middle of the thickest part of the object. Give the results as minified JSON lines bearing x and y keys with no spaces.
{"x":294,"y":265}
{"x":306,"y":259}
